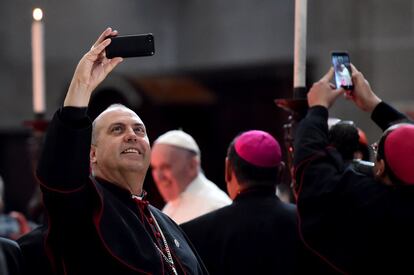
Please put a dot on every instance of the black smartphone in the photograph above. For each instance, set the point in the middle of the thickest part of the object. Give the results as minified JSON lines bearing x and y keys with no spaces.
{"x":131,"y":46}
{"x":343,"y":72}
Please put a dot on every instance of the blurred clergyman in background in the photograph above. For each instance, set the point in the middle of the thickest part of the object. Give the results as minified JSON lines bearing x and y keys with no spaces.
{"x":176,"y":169}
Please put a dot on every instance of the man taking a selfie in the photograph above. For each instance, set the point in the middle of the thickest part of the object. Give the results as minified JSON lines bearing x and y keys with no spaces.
{"x":92,"y":176}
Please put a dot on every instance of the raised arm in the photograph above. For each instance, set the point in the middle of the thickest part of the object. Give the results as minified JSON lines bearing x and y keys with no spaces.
{"x":92,"y":69}
{"x":313,"y":129}
{"x":64,"y":162}
{"x":323,"y":92}
{"x":365,"y":99}
{"x":362,"y":95}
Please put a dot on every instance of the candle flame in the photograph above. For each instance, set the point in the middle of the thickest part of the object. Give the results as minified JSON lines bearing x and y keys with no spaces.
{"x":37,"y":14}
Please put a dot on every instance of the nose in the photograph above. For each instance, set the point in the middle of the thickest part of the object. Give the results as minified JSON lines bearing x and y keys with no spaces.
{"x":130,"y":136}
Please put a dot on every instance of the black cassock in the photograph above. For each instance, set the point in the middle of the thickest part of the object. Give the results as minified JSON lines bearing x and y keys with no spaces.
{"x":96,"y":227}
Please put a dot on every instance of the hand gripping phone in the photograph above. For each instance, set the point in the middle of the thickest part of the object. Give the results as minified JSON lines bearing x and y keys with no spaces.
{"x":342,"y":67}
{"x":131,"y":46}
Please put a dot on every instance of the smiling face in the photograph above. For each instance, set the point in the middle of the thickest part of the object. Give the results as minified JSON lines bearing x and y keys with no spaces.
{"x":173,"y":169}
{"x":120,"y":145}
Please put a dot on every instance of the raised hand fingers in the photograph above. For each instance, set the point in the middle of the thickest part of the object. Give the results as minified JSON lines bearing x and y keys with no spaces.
{"x":107,"y":33}
{"x":97,"y":51}
{"x":111,"y":64}
{"x":354,"y":69}
{"x":328,"y":76}
{"x":357,"y":77}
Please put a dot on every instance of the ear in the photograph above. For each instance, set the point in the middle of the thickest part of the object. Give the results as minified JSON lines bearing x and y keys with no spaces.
{"x":92,"y":154}
{"x":231,"y":183}
{"x":228,"y":173}
{"x":281,"y":172}
{"x":381,"y":173}
{"x":194,"y":164}
{"x":380,"y":168}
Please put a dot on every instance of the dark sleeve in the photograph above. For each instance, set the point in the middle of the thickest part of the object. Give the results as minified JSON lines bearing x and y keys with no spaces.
{"x":329,"y":192}
{"x":385,"y":115}
{"x":317,"y":166}
{"x":34,"y":252}
{"x":63,"y":172}
{"x":312,"y":134}
{"x":64,"y":161}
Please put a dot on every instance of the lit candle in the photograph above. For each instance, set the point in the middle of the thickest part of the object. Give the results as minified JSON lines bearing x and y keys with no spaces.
{"x":39,"y":105}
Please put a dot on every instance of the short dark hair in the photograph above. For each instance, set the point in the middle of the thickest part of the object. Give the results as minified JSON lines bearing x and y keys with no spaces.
{"x":345,"y":138}
{"x":251,"y":175}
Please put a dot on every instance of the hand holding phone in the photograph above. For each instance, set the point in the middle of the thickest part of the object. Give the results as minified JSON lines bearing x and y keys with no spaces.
{"x":343,"y":71}
{"x":131,"y":46}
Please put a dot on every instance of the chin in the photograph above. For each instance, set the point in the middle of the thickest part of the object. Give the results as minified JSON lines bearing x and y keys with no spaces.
{"x":133,"y":167}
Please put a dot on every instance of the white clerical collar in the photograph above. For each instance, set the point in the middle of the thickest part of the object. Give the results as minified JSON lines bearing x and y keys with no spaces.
{"x":139,"y":197}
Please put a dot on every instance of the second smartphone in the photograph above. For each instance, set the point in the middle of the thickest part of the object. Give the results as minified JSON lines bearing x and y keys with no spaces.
{"x":343,"y":72}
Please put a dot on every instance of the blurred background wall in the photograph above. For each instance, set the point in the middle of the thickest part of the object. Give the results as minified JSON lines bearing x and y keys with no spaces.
{"x":217,"y":68}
